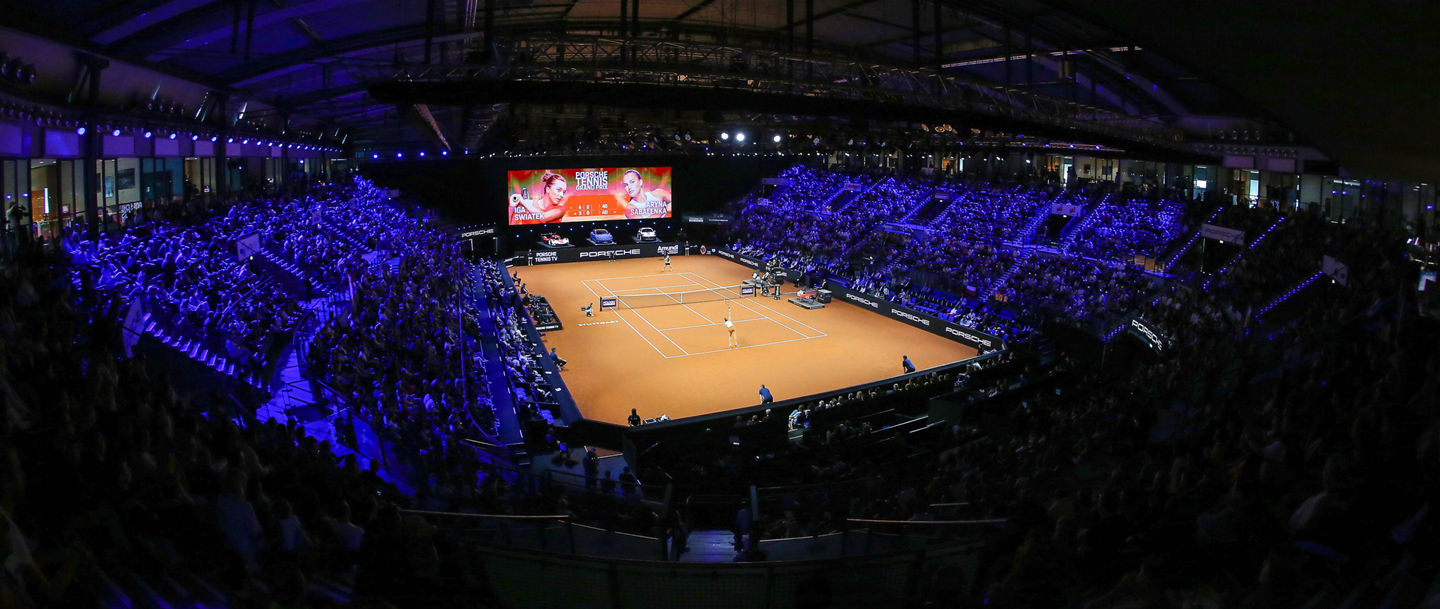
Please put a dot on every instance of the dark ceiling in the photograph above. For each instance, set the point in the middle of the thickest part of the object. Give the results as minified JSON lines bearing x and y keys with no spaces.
{"x":1355,"y":83}
{"x":1357,"y":79}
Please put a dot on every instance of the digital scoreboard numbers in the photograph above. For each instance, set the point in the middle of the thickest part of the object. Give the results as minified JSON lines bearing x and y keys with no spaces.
{"x":548,"y":196}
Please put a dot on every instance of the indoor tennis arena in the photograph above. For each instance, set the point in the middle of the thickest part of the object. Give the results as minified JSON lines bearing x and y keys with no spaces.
{"x":654,"y":351}
{"x":793,"y":304}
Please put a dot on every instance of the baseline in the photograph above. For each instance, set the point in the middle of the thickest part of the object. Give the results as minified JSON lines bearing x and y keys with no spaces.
{"x":647,"y":322}
{"x":627,"y":322}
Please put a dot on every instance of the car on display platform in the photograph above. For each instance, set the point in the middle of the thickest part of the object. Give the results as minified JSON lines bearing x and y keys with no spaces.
{"x":601,"y":236}
{"x":647,"y":234}
{"x":554,"y":240}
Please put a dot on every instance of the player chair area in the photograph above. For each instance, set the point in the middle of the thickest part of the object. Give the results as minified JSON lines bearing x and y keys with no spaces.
{"x":701,"y":336}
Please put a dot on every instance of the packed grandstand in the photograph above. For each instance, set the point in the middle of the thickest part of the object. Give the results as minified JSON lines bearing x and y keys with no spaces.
{"x":1024,"y":304}
{"x":1260,"y":443}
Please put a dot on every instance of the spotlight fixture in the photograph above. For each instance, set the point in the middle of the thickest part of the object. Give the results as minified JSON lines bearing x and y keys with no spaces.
{"x":740,"y":137}
{"x":148,"y":134}
{"x":80,"y":131}
{"x":724,"y":135}
{"x":229,"y":140}
{"x":422,"y":154}
{"x":172,"y":136}
{"x":115,"y":132}
{"x":194,"y":137}
{"x":213,"y":138}
{"x":776,"y":139}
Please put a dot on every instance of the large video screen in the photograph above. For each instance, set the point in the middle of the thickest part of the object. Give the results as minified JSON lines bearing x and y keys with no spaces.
{"x":546,"y":196}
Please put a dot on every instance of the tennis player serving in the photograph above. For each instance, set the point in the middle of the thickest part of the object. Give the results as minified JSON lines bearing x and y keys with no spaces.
{"x":730,"y":328}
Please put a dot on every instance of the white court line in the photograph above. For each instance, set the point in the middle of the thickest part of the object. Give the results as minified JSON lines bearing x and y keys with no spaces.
{"x":716,"y":323}
{"x":692,"y":284}
{"x":762,"y":317}
{"x":596,"y":323}
{"x":649,"y":323}
{"x":743,"y":303}
{"x":788,"y":340}
{"x":697,"y":313}
{"x":767,"y":307}
{"x":627,"y":322}
{"x":633,"y":277}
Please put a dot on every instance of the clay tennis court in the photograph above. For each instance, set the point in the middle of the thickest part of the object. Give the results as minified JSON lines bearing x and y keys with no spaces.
{"x":673,"y":359}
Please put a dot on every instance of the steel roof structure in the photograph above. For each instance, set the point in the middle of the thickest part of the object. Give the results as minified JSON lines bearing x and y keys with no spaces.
{"x":1343,"y":82}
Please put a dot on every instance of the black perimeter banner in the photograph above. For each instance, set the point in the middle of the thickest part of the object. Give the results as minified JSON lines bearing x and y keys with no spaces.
{"x":602,"y":252}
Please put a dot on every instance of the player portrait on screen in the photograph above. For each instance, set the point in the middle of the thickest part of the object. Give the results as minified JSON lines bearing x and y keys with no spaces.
{"x":640,"y":203}
{"x":548,"y":207}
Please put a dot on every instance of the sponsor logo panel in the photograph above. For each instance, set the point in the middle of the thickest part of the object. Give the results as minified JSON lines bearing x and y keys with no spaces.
{"x":910,"y":316}
{"x":481,"y":232}
{"x":979,"y":340}
{"x":971,"y":338}
{"x":621,"y":253}
{"x":864,"y":301}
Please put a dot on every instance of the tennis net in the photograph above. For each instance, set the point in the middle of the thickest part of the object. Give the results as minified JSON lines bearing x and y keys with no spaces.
{"x":661,"y":299}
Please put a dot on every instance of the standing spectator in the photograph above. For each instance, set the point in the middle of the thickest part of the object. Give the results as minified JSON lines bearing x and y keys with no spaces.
{"x":292,"y":537}
{"x":743,"y":523}
{"x":237,"y":519}
{"x":592,"y":468}
{"x":627,"y":482}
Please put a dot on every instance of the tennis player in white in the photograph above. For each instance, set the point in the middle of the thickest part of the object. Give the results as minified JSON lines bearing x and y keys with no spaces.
{"x":667,"y":262}
{"x":730,"y":328}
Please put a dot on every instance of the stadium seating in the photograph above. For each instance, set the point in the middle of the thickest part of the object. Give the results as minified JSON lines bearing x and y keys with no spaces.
{"x":1283,"y":435}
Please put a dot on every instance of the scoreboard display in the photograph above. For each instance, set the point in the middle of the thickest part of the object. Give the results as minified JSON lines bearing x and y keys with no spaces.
{"x":549,"y":196}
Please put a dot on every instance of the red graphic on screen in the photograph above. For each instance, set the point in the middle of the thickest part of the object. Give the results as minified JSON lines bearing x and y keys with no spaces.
{"x":547,"y":196}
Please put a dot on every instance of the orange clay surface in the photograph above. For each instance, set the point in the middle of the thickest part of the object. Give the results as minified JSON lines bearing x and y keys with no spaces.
{"x":674,"y":359}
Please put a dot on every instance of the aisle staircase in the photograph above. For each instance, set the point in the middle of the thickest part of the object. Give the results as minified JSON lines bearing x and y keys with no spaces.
{"x":1025,"y":235}
{"x":920,"y":207}
{"x":1067,"y":238}
{"x":1022,"y":256}
{"x":956,"y":199}
{"x":343,"y":235}
{"x":292,"y":271}
{"x":713,"y":546}
{"x":1287,"y":295}
{"x":197,"y":352}
{"x":1175,"y":256}
{"x":1240,"y":255}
